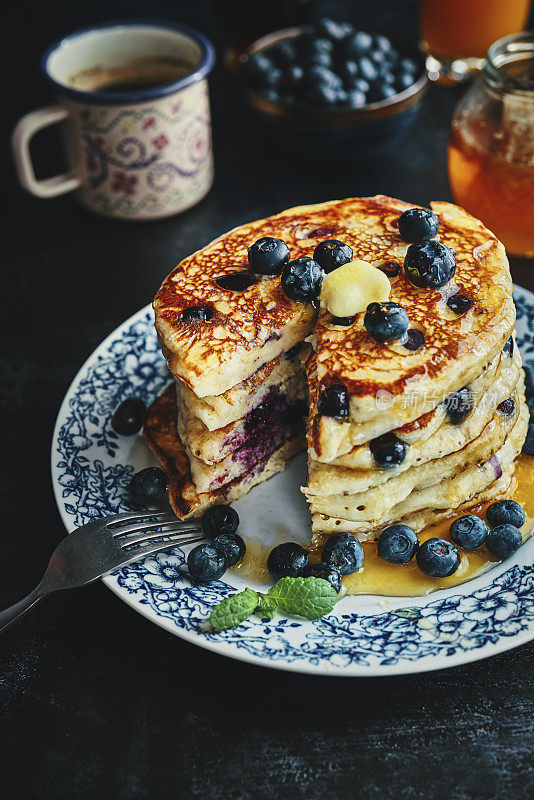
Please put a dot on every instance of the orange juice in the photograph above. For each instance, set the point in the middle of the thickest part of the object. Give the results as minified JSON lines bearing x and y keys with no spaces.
{"x":466,"y":28}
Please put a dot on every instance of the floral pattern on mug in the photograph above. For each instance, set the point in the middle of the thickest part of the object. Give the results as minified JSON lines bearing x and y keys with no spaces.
{"x":147,"y":159}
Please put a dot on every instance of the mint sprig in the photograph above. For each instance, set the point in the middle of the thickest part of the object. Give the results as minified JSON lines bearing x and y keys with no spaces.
{"x":233,"y":610}
{"x":310,"y":598}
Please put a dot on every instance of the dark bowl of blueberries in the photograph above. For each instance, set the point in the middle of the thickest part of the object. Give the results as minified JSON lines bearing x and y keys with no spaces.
{"x":330,"y":85}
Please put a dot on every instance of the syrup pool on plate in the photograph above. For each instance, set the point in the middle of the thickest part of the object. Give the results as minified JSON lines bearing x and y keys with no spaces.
{"x":406,"y":580}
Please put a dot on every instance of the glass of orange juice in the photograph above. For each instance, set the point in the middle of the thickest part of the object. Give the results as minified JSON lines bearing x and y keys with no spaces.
{"x":456,"y":34}
{"x":491,"y":147}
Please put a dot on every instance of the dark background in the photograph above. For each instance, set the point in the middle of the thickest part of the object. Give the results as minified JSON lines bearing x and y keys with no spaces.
{"x":95,"y":700}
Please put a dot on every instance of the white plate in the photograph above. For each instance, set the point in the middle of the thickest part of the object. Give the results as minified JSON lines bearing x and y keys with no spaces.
{"x":365,"y":635}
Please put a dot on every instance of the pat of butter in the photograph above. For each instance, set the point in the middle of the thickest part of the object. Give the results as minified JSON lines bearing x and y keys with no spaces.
{"x":349,"y":289}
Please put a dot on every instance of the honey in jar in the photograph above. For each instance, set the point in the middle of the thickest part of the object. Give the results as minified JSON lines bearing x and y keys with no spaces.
{"x":491,"y":148}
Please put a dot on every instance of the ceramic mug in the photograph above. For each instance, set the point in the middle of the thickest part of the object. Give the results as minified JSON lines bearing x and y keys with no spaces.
{"x":132,"y":154}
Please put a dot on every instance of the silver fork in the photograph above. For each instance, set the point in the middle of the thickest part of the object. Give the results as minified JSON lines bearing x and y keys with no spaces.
{"x":99,"y":547}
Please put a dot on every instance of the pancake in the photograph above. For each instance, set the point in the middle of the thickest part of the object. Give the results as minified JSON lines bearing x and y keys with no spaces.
{"x":159,"y":431}
{"x":217,"y":411}
{"x":379,"y":511}
{"x":323,"y":526}
{"x":282,"y":405}
{"x":445,"y":438}
{"x":456,"y":348}
{"x":388,"y":485}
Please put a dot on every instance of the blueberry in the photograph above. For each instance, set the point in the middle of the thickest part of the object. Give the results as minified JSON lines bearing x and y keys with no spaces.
{"x":148,"y":486}
{"x":368,"y":70}
{"x":129,"y":416}
{"x":349,"y":70}
{"x":321,"y":59}
{"x":505,"y":512}
{"x":332,"y":254}
{"x":459,"y":303}
{"x":386,"y":322}
{"x":197,"y":314}
{"x":397,"y":544}
{"x":418,"y":224}
{"x":390,"y":268}
{"x":236,"y":282}
{"x":380,"y":60}
{"x":468,"y":531}
{"x":383,"y":43}
{"x":357,"y":44}
{"x":321,"y":95}
{"x":219,"y":519}
{"x":206,"y":562}
{"x":504,"y":540}
{"x":328,"y":572}
{"x":322,"y":76}
{"x":342,"y":97}
{"x":438,"y":558}
{"x":232,"y":545}
{"x":508,"y":348}
{"x":389,"y":77}
{"x":283,"y":52}
{"x":528,"y":447}
{"x":403,"y":81}
{"x":287,"y":560}
{"x":321,"y":44}
{"x":292,"y":77}
{"x":302,"y":279}
{"x":414,"y":339}
{"x":271,"y":94}
{"x":388,"y":450}
{"x":343,"y":551}
{"x":429,"y":264}
{"x":267,"y":255}
{"x":257,"y":68}
{"x":459,"y":405}
{"x":334,"y":402}
{"x":356,"y":99}
{"x":360,"y":84}
{"x":331,"y":29}
{"x":409,"y":65}
{"x":380,"y":90}
{"x":507,"y":407}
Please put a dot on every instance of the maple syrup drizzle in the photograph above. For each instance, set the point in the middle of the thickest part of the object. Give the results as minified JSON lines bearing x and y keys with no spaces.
{"x":406,"y":580}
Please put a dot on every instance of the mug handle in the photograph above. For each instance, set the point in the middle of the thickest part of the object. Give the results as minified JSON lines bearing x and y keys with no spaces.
{"x":24,"y":131}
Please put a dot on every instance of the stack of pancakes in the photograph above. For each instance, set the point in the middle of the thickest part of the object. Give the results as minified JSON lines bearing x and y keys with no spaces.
{"x":232,"y":358}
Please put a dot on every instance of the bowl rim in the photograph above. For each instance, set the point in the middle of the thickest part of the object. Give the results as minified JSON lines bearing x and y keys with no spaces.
{"x":381,"y":108}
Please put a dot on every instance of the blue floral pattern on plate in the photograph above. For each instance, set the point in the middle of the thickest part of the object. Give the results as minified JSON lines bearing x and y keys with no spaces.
{"x":92,"y":467}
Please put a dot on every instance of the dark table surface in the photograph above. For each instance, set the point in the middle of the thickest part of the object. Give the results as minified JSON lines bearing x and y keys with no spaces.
{"x":95,"y":700}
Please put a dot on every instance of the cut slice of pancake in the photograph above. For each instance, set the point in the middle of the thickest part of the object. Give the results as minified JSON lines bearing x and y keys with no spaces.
{"x":281,"y":406}
{"x":217,"y":411}
{"x":161,"y":436}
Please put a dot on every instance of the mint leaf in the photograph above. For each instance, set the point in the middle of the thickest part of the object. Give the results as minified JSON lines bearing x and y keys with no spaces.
{"x":233,"y":610}
{"x":310,"y":598}
{"x":266,"y":608}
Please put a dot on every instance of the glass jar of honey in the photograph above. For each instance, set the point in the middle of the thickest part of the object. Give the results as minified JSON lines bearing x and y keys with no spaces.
{"x":491,"y":148}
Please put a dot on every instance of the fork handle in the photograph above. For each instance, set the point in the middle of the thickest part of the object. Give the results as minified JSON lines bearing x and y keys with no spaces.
{"x":9,"y":615}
